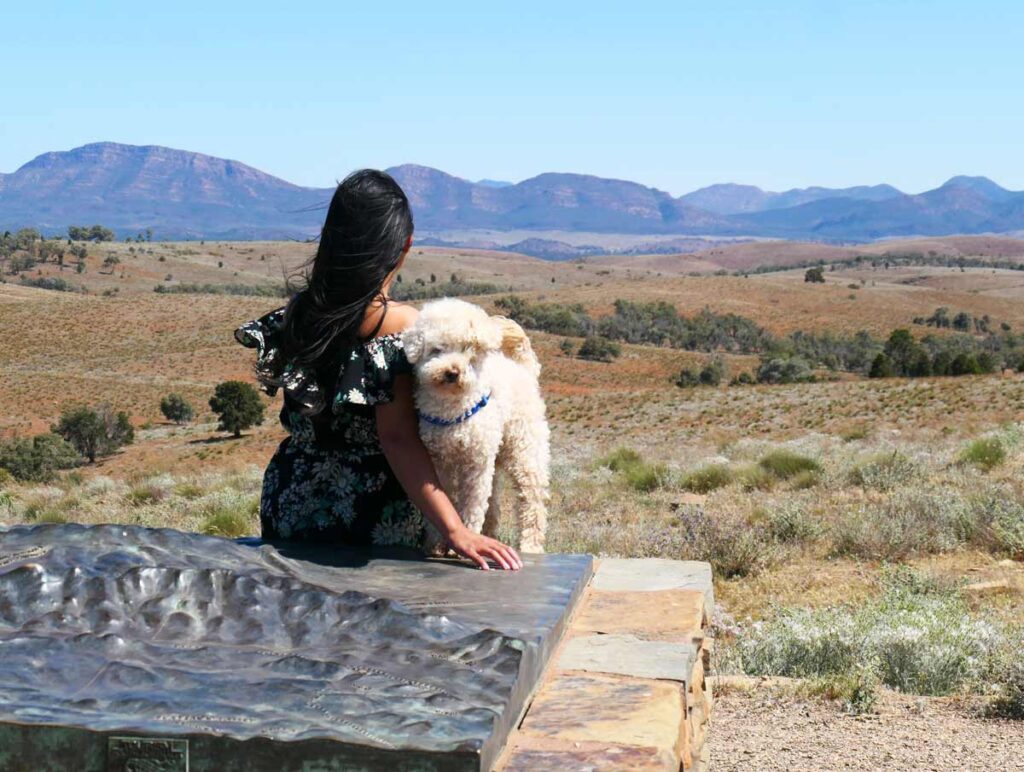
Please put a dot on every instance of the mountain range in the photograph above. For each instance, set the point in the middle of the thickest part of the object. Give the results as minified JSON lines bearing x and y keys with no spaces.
{"x":180,"y":194}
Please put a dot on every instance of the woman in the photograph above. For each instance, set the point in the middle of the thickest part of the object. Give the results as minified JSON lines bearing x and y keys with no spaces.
{"x":353,"y":468}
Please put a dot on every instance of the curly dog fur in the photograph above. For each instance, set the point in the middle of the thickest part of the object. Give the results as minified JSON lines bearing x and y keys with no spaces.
{"x":460,"y":354}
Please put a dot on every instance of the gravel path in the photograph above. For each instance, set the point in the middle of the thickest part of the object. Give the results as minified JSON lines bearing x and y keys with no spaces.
{"x":763,"y":730}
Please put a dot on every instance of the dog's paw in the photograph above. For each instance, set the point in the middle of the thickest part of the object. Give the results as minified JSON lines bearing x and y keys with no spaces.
{"x":532,"y":546}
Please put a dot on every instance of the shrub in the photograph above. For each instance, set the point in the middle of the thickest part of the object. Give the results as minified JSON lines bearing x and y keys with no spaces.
{"x":998,"y":522}
{"x":784,"y":370}
{"x":909,"y":522}
{"x":788,"y":522}
{"x":784,"y":464}
{"x":188,"y":490}
{"x":238,"y":405}
{"x":885,"y":471}
{"x":815,"y":275}
{"x":620,"y":458}
{"x":176,"y":408}
{"x":713,"y":372}
{"x":149,"y":492}
{"x":37,"y":459}
{"x":566,"y":347}
{"x":707,"y":478}
{"x":230,"y":515}
{"x":856,"y":689}
{"x":688,"y":378}
{"x":728,"y":540}
{"x":1010,"y":702}
{"x":646,"y":477}
{"x":598,"y":349}
{"x":986,"y":453}
{"x":54,"y":283}
{"x":801,"y":481}
{"x":912,"y":638}
{"x":756,"y":478}
{"x":636,"y":472}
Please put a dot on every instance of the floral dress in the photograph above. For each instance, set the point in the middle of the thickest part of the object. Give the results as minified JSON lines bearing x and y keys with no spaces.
{"x":329,"y":480}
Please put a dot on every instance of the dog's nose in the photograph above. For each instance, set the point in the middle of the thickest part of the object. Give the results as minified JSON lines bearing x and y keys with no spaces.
{"x":451,"y":376}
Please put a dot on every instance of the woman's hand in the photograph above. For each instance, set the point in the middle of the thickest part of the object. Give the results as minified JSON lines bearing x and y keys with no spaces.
{"x":480,"y":549}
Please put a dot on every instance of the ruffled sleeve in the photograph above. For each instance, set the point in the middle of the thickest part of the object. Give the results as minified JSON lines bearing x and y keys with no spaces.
{"x":271,"y":371}
{"x":367,"y":375}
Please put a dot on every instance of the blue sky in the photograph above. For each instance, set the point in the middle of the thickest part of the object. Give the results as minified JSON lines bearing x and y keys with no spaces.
{"x":672,"y":94}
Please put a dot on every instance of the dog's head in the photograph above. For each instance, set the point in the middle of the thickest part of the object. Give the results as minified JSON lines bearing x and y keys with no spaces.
{"x":448,"y":344}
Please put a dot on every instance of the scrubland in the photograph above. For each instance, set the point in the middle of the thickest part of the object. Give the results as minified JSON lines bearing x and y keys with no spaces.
{"x":866,"y":534}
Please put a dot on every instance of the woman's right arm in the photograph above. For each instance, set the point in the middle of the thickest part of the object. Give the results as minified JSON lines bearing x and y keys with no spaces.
{"x":398,"y":430}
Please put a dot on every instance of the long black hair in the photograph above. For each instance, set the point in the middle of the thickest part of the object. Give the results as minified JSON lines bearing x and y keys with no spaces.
{"x":367,"y":228}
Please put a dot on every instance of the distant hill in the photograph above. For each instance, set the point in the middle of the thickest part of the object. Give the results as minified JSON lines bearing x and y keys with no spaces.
{"x":729,"y":198}
{"x":177,"y":193}
{"x":189,"y":195}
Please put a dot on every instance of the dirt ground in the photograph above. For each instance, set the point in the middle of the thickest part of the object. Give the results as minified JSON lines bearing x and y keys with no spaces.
{"x":766,"y":730}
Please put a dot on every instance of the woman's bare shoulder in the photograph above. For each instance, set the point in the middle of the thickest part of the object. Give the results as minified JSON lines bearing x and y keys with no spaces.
{"x":398,"y":319}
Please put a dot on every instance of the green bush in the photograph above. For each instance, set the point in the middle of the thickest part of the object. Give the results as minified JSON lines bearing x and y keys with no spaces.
{"x":784,"y":370}
{"x":647,"y":477}
{"x":986,"y":453}
{"x":176,"y":408}
{"x":620,"y":458}
{"x":230,"y":516}
{"x":636,"y":472}
{"x":784,"y":464}
{"x":37,"y":459}
{"x":598,"y":349}
{"x":756,"y":478}
{"x":688,"y":378}
{"x":707,"y":478}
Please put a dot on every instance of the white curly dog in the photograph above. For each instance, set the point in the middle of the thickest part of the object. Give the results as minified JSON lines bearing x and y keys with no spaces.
{"x":480,"y":410}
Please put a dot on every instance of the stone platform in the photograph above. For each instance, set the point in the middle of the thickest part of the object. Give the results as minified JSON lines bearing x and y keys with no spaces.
{"x":627,"y":688}
{"x":125,"y":648}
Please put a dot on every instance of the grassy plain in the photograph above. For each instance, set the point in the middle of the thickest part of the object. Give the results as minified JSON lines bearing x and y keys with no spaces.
{"x":887,"y":456}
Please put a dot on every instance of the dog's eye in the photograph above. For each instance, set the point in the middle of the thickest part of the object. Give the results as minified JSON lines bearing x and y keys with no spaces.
{"x":435,"y":351}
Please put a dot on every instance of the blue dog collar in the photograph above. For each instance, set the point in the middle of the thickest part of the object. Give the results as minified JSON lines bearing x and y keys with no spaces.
{"x":436,"y":421}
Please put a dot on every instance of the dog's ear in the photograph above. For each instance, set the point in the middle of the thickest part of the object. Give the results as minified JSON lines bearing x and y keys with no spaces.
{"x":486,"y":334}
{"x":412,"y":342}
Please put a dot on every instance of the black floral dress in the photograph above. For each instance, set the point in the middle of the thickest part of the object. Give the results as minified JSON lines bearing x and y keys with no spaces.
{"x":329,"y":479}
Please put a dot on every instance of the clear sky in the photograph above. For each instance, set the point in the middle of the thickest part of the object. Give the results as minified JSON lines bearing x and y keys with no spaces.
{"x":674,"y":94}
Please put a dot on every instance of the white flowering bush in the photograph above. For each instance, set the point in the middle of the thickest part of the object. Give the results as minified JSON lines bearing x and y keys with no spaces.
{"x":919,"y":638}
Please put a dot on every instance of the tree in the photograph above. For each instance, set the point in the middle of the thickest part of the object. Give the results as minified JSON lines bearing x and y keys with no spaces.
{"x":881,"y":367}
{"x":963,"y":321}
{"x":238,"y":405}
{"x":82,"y":427}
{"x":95,"y":432}
{"x":110,"y":261}
{"x":964,"y":364}
{"x":176,"y":408}
{"x":815,"y":275}
{"x":598,"y":349}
